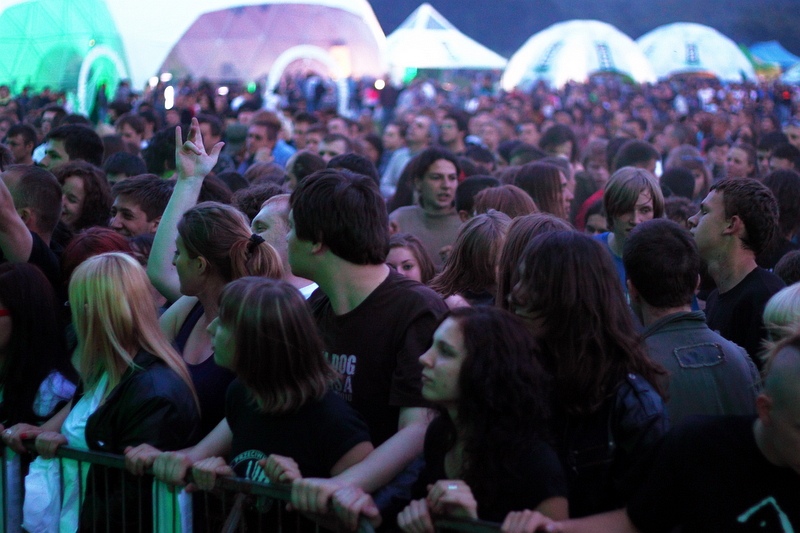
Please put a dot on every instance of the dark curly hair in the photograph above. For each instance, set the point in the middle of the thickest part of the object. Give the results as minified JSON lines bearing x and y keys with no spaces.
{"x":754,"y":203}
{"x":96,"y":209}
{"x":504,"y":400}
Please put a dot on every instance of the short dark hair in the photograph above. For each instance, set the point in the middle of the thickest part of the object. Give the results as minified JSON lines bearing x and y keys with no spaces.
{"x":782,"y":151}
{"x":678,"y":181}
{"x":134,"y":121}
{"x":461,"y":119}
{"x":159,"y":156}
{"x":345,"y":212}
{"x":635,"y":153}
{"x":770,"y":140}
{"x":479,"y":154}
{"x":80,"y":142}
{"x":148,"y":191}
{"x":471,"y":186}
{"x":213,"y":122}
{"x":271,"y":127}
{"x":421,"y":163}
{"x":27,"y":132}
{"x":250,"y":199}
{"x":305,"y":117}
{"x":788,"y":268}
{"x":305,"y":164}
{"x":526,"y":153}
{"x":38,"y":189}
{"x":557,"y":135}
{"x":356,"y":163}
{"x":125,"y":163}
{"x":754,"y":203}
{"x":662,"y":263}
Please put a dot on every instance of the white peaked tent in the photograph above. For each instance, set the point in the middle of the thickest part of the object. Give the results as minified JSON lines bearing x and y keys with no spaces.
{"x":428,"y":40}
{"x":684,"y":47}
{"x":339,"y":34}
{"x":575,"y":50}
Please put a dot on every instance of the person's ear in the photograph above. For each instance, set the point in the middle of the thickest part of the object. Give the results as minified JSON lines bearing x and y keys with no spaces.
{"x":463,"y":215}
{"x":735,"y":226}
{"x":202,"y":264}
{"x":154,"y":224}
{"x":764,"y":409}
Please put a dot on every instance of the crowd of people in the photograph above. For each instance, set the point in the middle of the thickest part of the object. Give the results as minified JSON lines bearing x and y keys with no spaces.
{"x":559,"y":310}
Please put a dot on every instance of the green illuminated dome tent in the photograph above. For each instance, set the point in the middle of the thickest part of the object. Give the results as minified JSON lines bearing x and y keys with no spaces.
{"x":70,"y":45}
{"x":74,"y":45}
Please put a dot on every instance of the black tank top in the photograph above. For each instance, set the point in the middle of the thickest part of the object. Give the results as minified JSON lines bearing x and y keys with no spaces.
{"x":210,"y":380}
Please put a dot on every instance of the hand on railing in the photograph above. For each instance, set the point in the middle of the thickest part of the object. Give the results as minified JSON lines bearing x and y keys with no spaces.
{"x":446,"y":497}
{"x":205,"y":472}
{"x":139,"y":459}
{"x":280,"y":469}
{"x":48,"y":442}
{"x":14,"y":436}
{"x":452,"y":497}
{"x":171,"y":468}
{"x":313,"y":495}
{"x":416,"y":518}
{"x":528,"y":522}
{"x":351,"y":503}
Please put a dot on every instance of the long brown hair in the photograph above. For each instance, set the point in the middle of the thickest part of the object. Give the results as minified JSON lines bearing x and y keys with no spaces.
{"x":567,"y":283}
{"x":472,"y":265}
{"x":520,"y":232}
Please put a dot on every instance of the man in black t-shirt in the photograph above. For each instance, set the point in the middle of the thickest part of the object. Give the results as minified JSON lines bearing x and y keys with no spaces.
{"x":375,"y":323}
{"x":736,"y":221}
{"x":30,"y":207}
{"x":731,"y":474}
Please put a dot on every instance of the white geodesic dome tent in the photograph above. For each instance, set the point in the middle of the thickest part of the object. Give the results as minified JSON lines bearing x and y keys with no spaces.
{"x":688,"y":48}
{"x":575,"y":50}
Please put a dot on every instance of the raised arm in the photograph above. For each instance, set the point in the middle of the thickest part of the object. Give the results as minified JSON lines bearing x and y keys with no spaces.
{"x":16,"y":241}
{"x":193,"y":164}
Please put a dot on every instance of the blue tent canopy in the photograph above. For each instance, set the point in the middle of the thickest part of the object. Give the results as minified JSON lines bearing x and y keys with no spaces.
{"x":773,"y":52}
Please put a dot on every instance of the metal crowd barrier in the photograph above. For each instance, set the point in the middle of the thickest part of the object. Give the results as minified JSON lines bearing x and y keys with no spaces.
{"x":234,"y":505}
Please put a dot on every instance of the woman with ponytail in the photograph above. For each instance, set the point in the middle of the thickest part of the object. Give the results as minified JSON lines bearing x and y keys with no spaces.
{"x":197,"y":250}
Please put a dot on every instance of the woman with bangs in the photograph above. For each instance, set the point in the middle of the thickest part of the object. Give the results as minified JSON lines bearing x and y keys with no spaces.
{"x":283,"y":418}
{"x":134,"y":389}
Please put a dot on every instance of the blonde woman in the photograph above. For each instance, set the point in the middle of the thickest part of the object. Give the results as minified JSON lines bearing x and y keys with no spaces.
{"x":135,"y":389}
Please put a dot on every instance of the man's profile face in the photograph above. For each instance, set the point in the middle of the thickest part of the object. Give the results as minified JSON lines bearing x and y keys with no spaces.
{"x":54,"y":154}
{"x":20,"y":151}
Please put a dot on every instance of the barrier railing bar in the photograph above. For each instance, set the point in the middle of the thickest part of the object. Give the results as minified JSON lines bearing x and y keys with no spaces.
{"x":253,"y":488}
